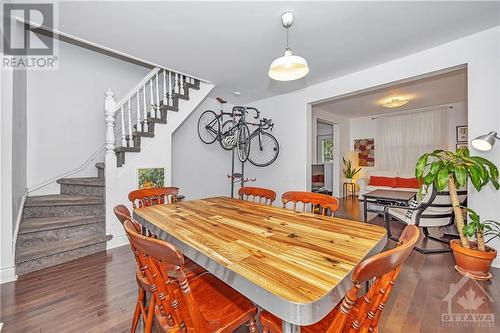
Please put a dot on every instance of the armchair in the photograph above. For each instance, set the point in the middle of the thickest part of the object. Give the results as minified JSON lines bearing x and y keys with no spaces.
{"x":434,"y":211}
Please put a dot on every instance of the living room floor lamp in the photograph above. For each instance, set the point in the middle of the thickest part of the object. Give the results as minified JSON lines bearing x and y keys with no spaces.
{"x":485,"y":142}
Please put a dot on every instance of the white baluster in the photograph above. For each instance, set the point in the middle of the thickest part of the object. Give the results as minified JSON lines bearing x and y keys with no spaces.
{"x":176,"y":85}
{"x":124,"y":141}
{"x":171,"y":101}
{"x":109,"y":112}
{"x":151,"y":100}
{"x":158,"y":113}
{"x":129,"y":125}
{"x":139,"y":125}
{"x":145,"y":112}
{"x":165,"y":101}
{"x":181,"y":85}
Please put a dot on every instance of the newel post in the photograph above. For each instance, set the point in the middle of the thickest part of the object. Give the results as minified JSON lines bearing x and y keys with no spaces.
{"x":110,"y":160}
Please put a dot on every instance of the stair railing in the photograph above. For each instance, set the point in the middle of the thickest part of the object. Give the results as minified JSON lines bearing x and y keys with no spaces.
{"x":157,"y":88}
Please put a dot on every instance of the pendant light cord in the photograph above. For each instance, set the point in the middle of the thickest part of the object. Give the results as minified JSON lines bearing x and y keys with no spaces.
{"x":287,"y":37}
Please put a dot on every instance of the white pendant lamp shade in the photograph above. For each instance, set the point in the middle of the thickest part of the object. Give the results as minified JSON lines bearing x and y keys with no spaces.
{"x":288,"y":67}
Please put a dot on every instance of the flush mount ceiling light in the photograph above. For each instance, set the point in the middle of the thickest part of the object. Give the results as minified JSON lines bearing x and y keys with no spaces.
{"x":289,"y":67}
{"x":395,"y":102}
{"x":485,"y":142}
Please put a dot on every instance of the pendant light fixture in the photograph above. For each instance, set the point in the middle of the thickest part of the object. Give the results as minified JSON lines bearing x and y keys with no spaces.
{"x":288,"y":67}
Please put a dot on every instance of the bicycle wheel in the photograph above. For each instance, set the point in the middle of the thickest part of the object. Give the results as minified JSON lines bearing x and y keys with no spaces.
{"x":228,"y":139}
{"x":243,"y":144}
{"x":208,"y":127}
{"x":264,"y":149}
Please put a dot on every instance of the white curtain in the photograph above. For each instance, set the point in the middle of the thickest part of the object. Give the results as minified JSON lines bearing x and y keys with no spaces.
{"x":402,"y":139}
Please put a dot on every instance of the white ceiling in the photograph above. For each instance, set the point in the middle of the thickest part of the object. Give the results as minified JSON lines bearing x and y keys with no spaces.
{"x":436,"y":90}
{"x":233,"y":43}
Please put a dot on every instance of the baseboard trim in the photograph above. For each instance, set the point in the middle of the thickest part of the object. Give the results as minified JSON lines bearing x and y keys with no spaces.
{"x":117,"y":240}
{"x":7,"y":274}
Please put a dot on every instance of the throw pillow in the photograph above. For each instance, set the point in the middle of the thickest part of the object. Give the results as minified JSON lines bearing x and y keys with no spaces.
{"x":382,"y":181}
{"x":407,"y":182}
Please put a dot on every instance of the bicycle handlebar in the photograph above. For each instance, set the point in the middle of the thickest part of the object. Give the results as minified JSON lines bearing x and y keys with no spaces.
{"x":244,"y":109}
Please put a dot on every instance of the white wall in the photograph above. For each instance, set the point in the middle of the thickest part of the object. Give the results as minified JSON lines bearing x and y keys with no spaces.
{"x":198,"y":169}
{"x":65,"y":111}
{"x":292,"y":111}
{"x":366,"y":127}
{"x":155,"y":152}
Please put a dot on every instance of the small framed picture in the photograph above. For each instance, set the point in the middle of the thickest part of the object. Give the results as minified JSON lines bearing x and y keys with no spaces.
{"x":461,"y":145}
{"x":150,"y":177}
{"x":462,"y":133}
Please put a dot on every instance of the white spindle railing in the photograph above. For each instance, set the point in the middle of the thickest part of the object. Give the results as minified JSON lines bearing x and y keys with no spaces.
{"x":139,"y":104}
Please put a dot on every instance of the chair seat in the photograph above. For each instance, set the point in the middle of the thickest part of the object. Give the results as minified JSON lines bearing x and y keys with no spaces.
{"x":217,"y":302}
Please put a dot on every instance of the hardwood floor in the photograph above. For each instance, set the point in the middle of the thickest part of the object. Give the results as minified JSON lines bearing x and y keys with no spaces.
{"x":97,"y":294}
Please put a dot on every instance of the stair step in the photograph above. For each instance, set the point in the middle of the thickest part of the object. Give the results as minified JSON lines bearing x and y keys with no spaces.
{"x":90,"y":186}
{"x":31,"y":225}
{"x":127,"y":149}
{"x":58,"y":205}
{"x":181,"y":96}
{"x":143,"y":134}
{"x":61,"y":200}
{"x":54,"y":253}
{"x":87,"y":181}
{"x":52,"y":248}
{"x":156,"y":120}
{"x":100,"y":170}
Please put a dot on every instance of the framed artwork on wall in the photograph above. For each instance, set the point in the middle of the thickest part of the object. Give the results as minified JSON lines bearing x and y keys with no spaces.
{"x":366,"y":151}
{"x":150,"y":177}
{"x":462,"y":133}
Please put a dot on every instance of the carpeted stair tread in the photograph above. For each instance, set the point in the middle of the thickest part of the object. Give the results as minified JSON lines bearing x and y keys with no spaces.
{"x":31,"y":225}
{"x":62,"y":200}
{"x":52,"y":248}
{"x":87,"y":181}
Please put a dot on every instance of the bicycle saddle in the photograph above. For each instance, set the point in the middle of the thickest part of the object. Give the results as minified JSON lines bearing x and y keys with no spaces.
{"x":220,"y":100}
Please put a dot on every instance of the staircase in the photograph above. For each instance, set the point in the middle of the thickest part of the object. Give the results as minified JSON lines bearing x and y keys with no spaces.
{"x":147,"y":106}
{"x":58,"y":228}
{"x":61,"y":227}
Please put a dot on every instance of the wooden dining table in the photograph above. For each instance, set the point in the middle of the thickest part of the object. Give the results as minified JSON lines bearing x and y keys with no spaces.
{"x":296,"y":265}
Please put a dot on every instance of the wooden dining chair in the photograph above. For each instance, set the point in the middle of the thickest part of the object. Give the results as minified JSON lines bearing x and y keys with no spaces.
{"x":360,"y":314}
{"x":144,"y":287}
{"x":202,"y":305}
{"x":322,"y":203}
{"x":257,"y":194}
{"x":153,"y":196}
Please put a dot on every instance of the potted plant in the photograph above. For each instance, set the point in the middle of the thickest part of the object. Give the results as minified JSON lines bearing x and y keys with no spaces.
{"x":349,"y":171}
{"x":480,"y":230}
{"x":447,"y":169}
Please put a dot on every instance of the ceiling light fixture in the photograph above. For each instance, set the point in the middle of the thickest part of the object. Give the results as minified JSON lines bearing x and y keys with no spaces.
{"x":485,"y":142}
{"x":289,"y":67}
{"x":395,"y":102}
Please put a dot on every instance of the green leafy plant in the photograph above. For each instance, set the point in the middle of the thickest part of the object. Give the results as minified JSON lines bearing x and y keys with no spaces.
{"x":475,"y":227}
{"x":349,"y":171}
{"x":452,"y":169}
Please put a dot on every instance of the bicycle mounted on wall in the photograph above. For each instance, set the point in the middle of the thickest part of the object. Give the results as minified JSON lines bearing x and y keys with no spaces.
{"x":259,"y":147}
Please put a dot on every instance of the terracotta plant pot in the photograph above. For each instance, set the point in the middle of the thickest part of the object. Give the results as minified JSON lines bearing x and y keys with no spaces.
{"x":473,"y":263}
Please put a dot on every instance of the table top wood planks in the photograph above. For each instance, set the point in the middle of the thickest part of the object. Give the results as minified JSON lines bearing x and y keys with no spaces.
{"x":296,"y":265}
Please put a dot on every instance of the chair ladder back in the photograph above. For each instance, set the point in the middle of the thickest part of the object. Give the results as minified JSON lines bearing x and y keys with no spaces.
{"x":161,"y":258}
{"x":384,"y":268}
{"x":321,"y":203}
{"x":153,"y":196}
{"x":257,"y":194}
